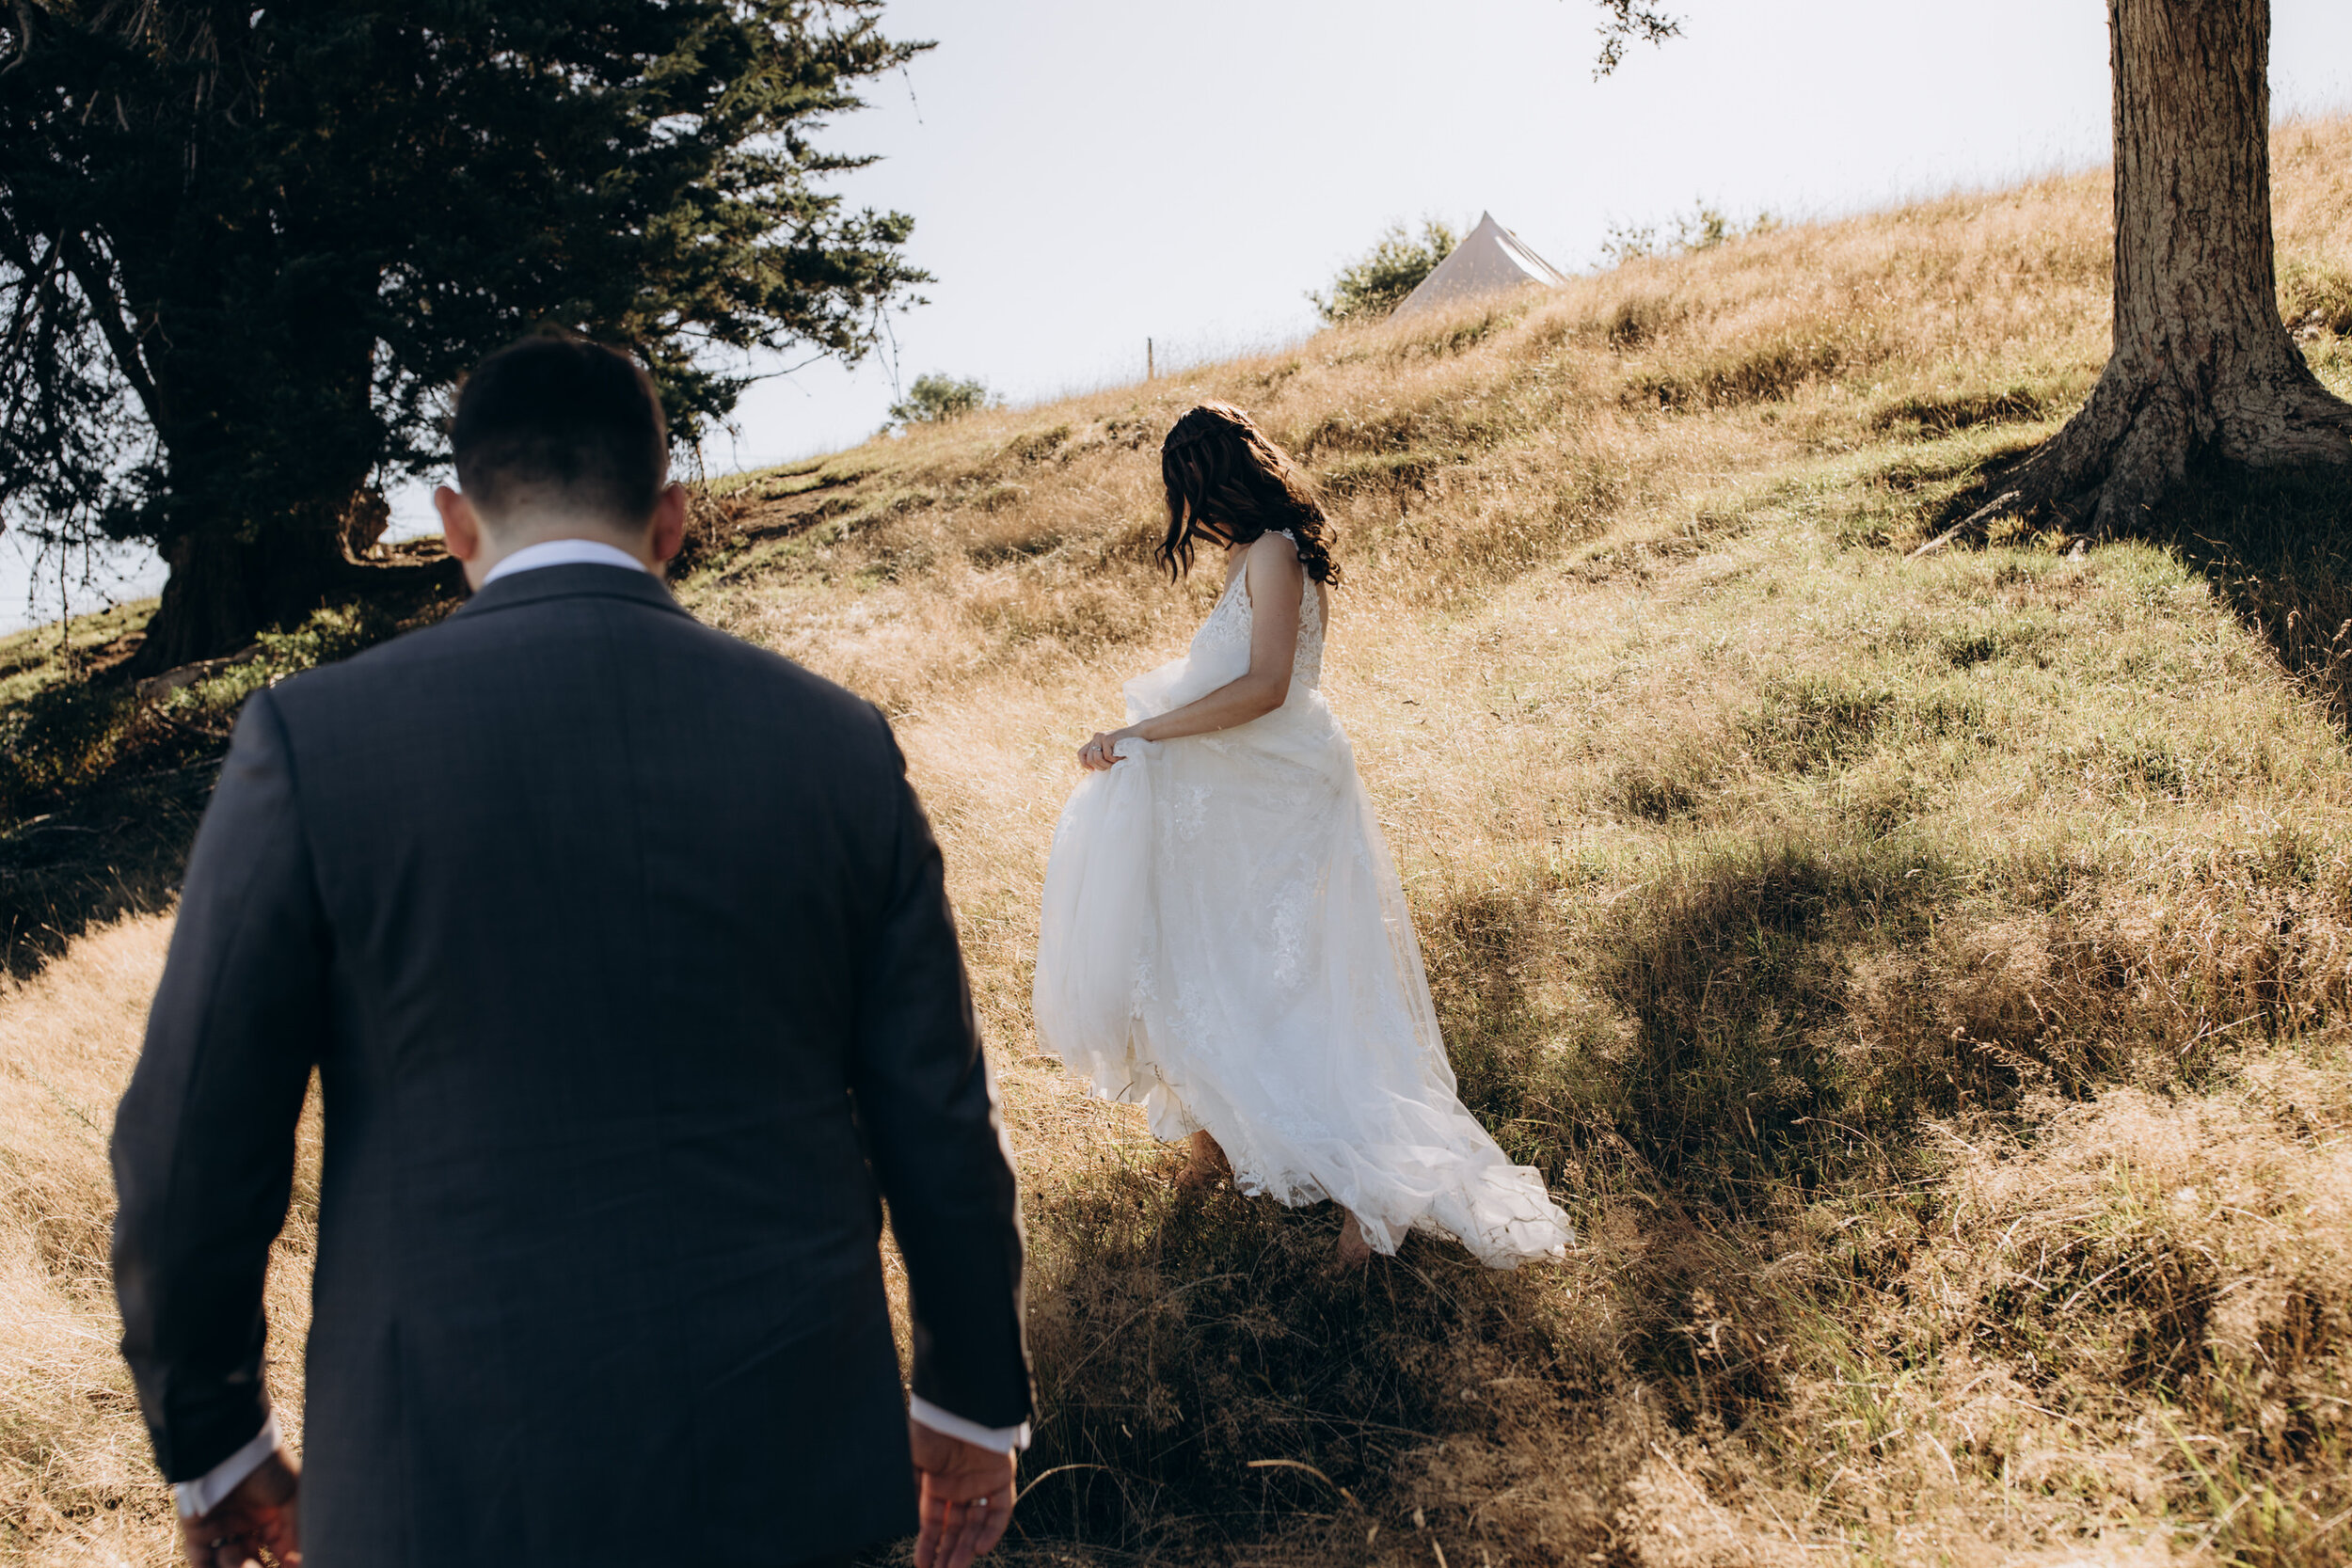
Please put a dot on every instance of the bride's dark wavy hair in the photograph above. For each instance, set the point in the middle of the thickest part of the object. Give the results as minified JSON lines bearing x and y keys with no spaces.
{"x":1227,"y":483}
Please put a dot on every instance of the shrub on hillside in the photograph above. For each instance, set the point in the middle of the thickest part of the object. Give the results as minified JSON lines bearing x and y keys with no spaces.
{"x":1376,"y":282}
{"x":58,"y":739}
{"x":1703,"y":227}
{"x":937,"y":398}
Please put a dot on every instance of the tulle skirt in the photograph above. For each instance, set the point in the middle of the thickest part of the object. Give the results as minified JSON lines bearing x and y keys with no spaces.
{"x":1225,"y":942}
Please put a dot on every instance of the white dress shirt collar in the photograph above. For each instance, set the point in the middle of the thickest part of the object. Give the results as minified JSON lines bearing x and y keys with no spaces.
{"x":562,"y":552}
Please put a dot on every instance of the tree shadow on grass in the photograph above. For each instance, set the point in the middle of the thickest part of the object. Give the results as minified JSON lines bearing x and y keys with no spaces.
{"x":1209,"y":1383}
{"x":2278,"y":545}
{"x":102,"y":782}
{"x":118,"y":851}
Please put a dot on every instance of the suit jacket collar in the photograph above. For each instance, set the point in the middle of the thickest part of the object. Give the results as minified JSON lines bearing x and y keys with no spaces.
{"x":572,"y":582}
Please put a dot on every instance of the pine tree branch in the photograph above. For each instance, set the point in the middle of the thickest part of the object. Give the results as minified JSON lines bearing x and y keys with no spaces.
{"x":1630,"y":21}
{"x":97,"y":287}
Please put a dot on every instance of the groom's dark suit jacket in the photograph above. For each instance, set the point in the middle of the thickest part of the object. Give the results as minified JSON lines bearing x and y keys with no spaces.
{"x":621,"y":949}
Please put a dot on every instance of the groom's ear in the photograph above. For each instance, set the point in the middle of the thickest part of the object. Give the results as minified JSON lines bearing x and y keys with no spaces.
{"x":669,"y":522}
{"x":461,"y":525}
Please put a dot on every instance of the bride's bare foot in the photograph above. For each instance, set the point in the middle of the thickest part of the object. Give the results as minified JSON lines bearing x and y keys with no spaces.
{"x":1207,"y":1166}
{"x":1355,"y":1246}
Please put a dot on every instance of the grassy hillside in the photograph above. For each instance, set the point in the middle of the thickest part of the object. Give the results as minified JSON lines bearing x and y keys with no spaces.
{"x":1924,"y":981}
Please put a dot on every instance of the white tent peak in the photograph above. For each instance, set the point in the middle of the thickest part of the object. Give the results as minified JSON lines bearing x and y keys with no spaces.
{"x":1490,"y":260}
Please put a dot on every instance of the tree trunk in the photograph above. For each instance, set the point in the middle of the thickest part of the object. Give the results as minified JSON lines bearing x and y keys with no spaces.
{"x":224,"y":589}
{"x":2202,"y":364}
{"x":269,"y":491}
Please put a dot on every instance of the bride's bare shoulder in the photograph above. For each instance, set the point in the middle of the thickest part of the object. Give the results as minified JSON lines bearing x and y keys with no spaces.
{"x":1275,"y":547}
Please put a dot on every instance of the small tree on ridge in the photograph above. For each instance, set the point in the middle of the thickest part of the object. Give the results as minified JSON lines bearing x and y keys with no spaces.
{"x":936,"y":398}
{"x":1377,"y":281}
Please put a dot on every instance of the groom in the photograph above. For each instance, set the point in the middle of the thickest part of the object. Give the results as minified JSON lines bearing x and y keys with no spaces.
{"x":622,"y":952}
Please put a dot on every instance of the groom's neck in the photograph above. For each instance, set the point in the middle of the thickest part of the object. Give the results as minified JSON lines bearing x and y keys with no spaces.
{"x":504,"y":538}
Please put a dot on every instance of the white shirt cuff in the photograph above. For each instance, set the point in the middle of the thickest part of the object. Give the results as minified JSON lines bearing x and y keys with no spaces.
{"x":201,"y":1495}
{"x":995,"y":1439}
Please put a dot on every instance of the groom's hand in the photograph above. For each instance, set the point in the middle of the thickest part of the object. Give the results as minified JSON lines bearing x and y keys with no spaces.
{"x":967,"y":1498}
{"x":259,"y":1513}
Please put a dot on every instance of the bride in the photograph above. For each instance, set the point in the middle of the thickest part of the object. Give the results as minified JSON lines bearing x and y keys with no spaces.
{"x":1224,"y":937}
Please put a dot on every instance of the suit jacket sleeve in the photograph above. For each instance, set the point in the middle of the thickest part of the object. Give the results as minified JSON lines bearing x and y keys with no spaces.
{"x":204,"y":1139}
{"x":937,"y":1143}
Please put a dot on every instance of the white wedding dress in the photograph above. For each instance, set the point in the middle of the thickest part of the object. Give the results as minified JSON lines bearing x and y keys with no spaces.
{"x":1225,"y":940}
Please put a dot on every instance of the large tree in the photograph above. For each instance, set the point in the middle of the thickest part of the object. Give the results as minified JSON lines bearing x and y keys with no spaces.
{"x":246,"y":251}
{"x":2201,"y":365}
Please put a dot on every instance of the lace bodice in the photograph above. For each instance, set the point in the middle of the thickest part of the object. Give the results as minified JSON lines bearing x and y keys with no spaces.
{"x":1230,"y":621}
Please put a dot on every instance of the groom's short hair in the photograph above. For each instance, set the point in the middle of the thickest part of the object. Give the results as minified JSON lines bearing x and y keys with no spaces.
{"x":558,"y":420}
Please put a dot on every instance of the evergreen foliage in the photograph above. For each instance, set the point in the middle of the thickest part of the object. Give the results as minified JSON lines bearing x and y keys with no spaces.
{"x":245,"y":254}
{"x":1378,"y":282}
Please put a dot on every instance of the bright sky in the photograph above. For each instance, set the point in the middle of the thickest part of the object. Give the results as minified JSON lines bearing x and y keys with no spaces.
{"x":1083,"y":176}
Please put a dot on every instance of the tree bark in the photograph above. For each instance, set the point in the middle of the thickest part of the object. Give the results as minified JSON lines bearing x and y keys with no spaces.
{"x":251,"y":554}
{"x":223,"y":589}
{"x":2201,"y":365}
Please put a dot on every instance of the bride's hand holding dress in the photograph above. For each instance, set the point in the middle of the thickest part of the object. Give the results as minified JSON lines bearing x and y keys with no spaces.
{"x":1275,"y":577}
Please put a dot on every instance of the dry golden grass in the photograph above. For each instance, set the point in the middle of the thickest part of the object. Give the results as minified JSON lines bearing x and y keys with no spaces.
{"x":77,"y":1483}
{"x":78,"y":1479}
{"x":1925,"y":982}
